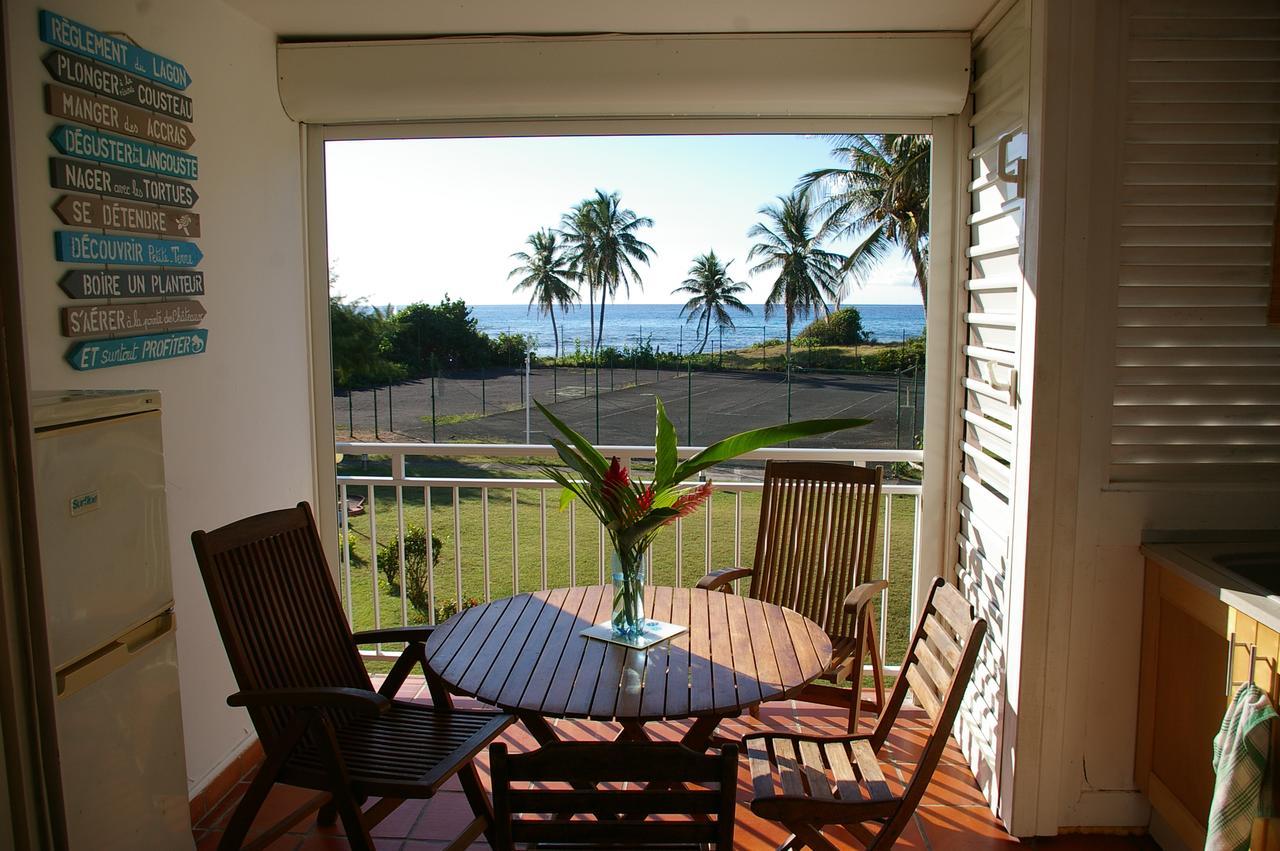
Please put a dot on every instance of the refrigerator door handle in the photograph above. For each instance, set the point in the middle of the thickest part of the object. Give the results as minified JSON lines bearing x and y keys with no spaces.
{"x":112,"y":656}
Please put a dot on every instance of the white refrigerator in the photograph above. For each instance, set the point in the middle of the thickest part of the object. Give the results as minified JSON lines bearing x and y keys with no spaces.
{"x":108,"y":601}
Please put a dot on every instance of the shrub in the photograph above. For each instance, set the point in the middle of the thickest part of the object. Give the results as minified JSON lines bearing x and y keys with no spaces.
{"x":416,"y":566}
{"x":449,"y":608}
{"x":840,"y":328}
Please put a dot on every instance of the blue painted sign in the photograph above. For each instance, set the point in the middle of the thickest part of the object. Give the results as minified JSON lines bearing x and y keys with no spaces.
{"x":111,"y":250}
{"x":92,"y":77}
{"x":109,"y":148}
{"x":97,"y":354}
{"x":63,"y":32}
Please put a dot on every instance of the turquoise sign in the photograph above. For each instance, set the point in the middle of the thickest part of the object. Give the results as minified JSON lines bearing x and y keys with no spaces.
{"x":110,"y":250}
{"x":63,"y":32}
{"x":117,"y":150}
{"x":98,"y":354}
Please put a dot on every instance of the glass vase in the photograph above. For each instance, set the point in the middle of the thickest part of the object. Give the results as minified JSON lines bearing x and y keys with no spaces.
{"x":628,"y":595}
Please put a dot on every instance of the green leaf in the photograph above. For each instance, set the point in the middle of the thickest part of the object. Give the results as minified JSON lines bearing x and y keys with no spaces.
{"x":665,"y":446}
{"x":576,"y":462}
{"x":747,"y":441}
{"x":589,"y":453}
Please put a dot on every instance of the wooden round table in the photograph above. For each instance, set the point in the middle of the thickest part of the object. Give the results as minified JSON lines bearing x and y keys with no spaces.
{"x":525,"y":655}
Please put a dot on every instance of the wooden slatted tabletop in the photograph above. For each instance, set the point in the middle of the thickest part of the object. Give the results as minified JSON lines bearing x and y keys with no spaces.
{"x":525,"y":654}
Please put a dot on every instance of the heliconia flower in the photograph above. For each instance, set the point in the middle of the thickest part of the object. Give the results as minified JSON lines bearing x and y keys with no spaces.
{"x":689,"y":501}
{"x":645,"y":502}
{"x":616,"y":480}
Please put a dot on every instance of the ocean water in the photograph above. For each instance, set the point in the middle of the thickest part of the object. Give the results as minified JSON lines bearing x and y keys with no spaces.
{"x":662,"y":325}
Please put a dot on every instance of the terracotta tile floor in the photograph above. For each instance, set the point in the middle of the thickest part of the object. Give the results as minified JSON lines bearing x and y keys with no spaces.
{"x":952,"y":815}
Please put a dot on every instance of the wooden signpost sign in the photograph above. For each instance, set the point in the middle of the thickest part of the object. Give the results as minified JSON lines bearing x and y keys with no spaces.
{"x":108,"y":82}
{"x":86,"y":211}
{"x":61,"y":102}
{"x":120,"y":183}
{"x":109,"y":148}
{"x":97,"y":354}
{"x":63,"y":32}
{"x":111,"y":250}
{"x":131,"y":283}
{"x":99,"y":319}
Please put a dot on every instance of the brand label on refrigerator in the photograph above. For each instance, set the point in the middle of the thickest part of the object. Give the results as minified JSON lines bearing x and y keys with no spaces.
{"x":84,"y":503}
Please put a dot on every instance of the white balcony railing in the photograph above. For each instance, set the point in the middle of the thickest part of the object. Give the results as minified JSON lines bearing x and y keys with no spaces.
{"x":485,"y":523}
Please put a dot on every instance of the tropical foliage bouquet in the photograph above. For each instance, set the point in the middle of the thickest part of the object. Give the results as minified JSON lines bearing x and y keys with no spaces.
{"x":633,"y":512}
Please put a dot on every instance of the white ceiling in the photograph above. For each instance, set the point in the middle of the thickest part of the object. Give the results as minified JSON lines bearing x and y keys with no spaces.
{"x":404,"y":18}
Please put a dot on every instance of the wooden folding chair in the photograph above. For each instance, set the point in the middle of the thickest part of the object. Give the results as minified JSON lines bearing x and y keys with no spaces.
{"x":544,"y":817}
{"x":818,"y":522}
{"x":806,"y":782}
{"x":321,"y":724}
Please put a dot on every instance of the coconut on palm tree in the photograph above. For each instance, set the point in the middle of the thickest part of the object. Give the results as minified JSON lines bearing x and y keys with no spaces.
{"x":714,"y":295}
{"x":544,"y":271}
{"x":790,"y":242}
{"x":880,"y":196}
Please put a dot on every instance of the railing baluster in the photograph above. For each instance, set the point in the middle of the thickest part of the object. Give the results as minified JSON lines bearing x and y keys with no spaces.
{"x":515,"y":543}
{"x":707,"y":539}
{"x":679,"y":550}
{"x":431,"y":562}
{"x":484,"y":524}
{"x":373,"y":561}
{"x":345,"y":565}
{"x":601,"y":553}
{"x":457,"y":546}
{"x":884,"y":597}
{"x":573,"y":544}
{"x":542,"y":531}
{"x":404,"y":586}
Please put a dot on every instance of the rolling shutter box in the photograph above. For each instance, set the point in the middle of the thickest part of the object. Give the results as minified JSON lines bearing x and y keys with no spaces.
{"x":1197,"y":389}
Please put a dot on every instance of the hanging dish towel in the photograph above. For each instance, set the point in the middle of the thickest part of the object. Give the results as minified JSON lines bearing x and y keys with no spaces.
{"x":1240,"y":762}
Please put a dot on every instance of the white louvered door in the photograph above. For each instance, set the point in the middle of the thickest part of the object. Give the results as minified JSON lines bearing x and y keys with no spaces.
{"x":991,"y":305}
{"x":1197,"y":390}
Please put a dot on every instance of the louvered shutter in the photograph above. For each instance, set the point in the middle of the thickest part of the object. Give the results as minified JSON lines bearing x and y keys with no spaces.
{"x":989,"y":418}
{"x":1197,"y":389}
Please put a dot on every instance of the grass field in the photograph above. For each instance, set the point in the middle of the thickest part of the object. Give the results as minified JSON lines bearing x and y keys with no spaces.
{"x":544,"y":561}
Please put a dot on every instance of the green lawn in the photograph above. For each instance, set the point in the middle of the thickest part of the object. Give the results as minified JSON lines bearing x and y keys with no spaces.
{"x":531,"y":572}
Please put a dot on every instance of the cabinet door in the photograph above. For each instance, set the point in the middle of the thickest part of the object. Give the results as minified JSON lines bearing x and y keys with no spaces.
{"x":1266,"y":832}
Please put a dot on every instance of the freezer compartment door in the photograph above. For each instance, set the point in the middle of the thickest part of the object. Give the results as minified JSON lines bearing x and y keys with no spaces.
{"x":119,"y":722}
{"x":104,"y":538}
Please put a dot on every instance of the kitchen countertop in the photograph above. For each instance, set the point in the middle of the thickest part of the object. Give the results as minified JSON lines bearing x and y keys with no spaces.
{"x":1194,"y":559}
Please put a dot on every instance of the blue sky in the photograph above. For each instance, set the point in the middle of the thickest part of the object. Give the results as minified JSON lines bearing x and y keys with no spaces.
{"x":410,"y":220}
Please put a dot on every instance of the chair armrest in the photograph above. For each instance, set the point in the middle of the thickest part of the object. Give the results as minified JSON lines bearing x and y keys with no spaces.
{"x":720,"y":579}
{"x":393,"y":634}
{"x":863,"y":594}
{"x":351,"y":699}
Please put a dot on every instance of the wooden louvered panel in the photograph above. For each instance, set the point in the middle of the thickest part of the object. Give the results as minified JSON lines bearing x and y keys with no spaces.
{"x":1197,"y":380}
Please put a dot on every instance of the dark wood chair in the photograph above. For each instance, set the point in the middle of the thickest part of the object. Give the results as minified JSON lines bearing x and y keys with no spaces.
{"x":818,"y":522}
{"x":806,"y":782}
{"x":301,"y":677}
{"x":547,"y":817}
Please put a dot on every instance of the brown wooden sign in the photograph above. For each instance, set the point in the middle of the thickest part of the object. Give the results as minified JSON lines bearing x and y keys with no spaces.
{"x":89,"y":212}
{"x":106,"y":81}
{"x":100,"y":320}
{"x":82,"y":108}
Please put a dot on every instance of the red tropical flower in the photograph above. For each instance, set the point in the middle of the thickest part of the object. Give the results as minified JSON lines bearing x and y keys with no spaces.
{"x":645,"y":502}
{"x":689,"y":501}
{"x":616,"y":481}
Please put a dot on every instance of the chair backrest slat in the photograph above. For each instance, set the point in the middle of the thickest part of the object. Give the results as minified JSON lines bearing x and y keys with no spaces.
{"x":521,"y":813}
{"x":818,"y":523}
{"x":277,"y":608}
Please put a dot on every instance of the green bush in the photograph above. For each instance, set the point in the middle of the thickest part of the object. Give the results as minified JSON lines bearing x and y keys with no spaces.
{"x":449,"y":608}
{"x":416,"y":566}
{"x":840,"y":328}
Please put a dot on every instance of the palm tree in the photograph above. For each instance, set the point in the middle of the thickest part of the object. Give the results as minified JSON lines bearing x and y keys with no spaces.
{"x":616,"y":248}
{"x":544,"y":271}
{"x":881,"y":197}
{"x":713,"y":291}
{"x":577,"y":230}
{"x":808,"y":276}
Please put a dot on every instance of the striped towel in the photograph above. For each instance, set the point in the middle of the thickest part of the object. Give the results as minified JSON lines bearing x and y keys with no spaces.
{"x":1240,"y":763}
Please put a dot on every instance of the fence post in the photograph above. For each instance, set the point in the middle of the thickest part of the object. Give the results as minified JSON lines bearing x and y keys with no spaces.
{"x":527,"y":358}
{"x":483,"y":406}
{"x":555,"y":384}
{"x":764,"y":344}
{"x":897,"y":409}
{"x":689,"y":407}
{"x":433,"y":398}
{"x":721,"y":347}
{"x":376,"y":436}
{"x":657,"y":376}
{"x":788,"y":393}
{"x":351,"y":421}
{"x":391,"y":412}
{"x":611,"y":363}
{"x":597,"y":360}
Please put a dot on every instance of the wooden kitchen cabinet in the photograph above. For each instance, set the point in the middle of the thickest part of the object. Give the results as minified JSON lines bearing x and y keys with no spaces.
{"x":1183,"y":695}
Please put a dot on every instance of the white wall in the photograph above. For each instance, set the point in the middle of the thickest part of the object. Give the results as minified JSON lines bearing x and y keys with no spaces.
{"x":237,"y":419}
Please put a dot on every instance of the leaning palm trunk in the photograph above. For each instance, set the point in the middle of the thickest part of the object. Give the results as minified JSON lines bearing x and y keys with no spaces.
{"x":591,"y":306}
{"x":600,"y":336}
{"x":555,"y":332}
{"x":922,"y":272}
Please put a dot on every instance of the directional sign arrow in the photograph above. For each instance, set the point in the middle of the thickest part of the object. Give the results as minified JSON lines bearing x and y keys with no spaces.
{"x":111,"y":250}
{"x":108,"y":82}
{"x":63,"y":32}
{"x":131,"y":283}
{"x":97,"y":319}
{"x":62,"y":102}
{"x":86,"y":211}
{"x":118,"y":150}
{"x":120,"y":183}
{"x":97,"y":354}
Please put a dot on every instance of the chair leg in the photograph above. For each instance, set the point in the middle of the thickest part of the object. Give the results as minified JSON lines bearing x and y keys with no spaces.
{"x":340,"y":787}
{"x":807,"y":835}
{"x":480,"y":803}
{"x":414,"y":653}
{"x":327,"y":816}
{"x":242,"y":819}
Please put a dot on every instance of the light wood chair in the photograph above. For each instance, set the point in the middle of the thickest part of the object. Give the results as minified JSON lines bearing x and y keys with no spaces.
{"x":807,"y":782}
{"x":321,"y":724}
{"x":818,"y":524}
{"x":656,"y":774}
